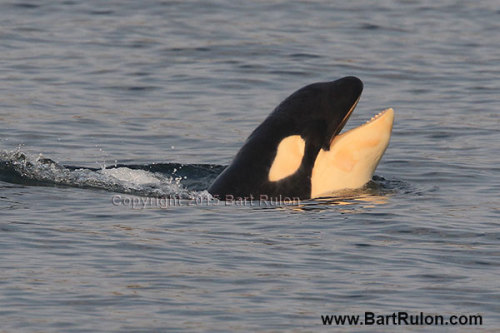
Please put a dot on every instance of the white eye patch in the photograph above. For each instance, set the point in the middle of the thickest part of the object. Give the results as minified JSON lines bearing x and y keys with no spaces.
{"x":288,"y":157}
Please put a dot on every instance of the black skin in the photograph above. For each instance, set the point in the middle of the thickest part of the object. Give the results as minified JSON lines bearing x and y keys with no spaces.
{"x":317,"y":113}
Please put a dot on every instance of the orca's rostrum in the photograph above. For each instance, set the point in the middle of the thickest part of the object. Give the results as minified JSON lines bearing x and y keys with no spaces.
{"x":298,"y":150}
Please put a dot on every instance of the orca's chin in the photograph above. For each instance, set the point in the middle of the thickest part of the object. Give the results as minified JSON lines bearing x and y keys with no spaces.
{"x":352,"y":157}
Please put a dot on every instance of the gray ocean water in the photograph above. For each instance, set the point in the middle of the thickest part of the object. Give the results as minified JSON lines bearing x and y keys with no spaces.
{"x":145,"y":83}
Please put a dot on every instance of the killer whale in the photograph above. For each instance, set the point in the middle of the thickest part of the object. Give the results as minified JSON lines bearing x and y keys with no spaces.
{"x":298,"y":150}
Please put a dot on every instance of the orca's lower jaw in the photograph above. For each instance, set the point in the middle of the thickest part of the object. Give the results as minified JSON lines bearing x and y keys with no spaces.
{"x":353,"y":156}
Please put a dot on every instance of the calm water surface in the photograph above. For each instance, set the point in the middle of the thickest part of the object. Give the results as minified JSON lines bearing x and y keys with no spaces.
{"x":95,"y":83}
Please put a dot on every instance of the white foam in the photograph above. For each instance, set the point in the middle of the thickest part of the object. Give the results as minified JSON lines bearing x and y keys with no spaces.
{"x":137,"y":177}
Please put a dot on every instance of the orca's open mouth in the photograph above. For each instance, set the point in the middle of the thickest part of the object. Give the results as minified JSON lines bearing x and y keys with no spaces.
{"x":387,"y":114}
{"x":344,"y":121}
{"x":372,"y":120}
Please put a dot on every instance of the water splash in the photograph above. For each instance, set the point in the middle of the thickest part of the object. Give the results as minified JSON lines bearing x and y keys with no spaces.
{"x":30,"y":169}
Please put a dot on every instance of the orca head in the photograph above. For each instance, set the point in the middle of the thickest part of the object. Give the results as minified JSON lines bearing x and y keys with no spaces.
{"x":298,"y":151}
{"x":306,"y":123}
{"x":329,"y":160}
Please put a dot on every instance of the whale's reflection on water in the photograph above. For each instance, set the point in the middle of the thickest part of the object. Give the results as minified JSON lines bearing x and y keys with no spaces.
{"x":376,"y":193}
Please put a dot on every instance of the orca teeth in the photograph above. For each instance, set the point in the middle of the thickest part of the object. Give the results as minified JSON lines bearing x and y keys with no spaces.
{"x":376,"y":116}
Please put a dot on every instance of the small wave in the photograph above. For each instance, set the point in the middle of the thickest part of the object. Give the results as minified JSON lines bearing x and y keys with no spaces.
{"x":156,"y":180}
